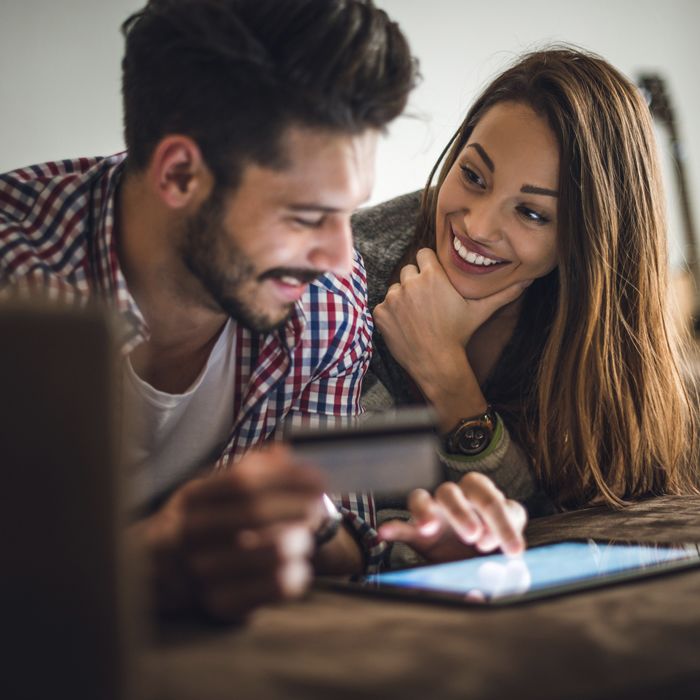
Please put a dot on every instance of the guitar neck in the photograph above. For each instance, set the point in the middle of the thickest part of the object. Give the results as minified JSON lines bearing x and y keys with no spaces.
{"x":662,"y":110}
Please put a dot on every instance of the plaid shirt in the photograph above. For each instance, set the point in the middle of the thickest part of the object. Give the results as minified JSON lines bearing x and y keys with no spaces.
{"x":57,"y":237}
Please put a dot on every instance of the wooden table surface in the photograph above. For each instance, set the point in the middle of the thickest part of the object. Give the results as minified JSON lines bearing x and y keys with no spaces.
{"x":639,"y":640}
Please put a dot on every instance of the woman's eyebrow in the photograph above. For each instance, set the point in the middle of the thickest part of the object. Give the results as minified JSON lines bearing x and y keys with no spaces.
{"x":527,"y":189}
{"x":533,"y":189}
{"x":484,"y":156}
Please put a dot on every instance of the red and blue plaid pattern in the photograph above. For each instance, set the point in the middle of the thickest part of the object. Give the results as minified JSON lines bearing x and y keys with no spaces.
{"x":57,"y":238}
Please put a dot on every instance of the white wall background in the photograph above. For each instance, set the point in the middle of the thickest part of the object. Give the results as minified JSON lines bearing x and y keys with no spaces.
{"x":59,"y":79}
{"x":59,"y":70}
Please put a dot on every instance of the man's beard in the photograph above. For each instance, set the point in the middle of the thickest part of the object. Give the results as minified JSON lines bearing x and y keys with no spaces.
{"x":223,"y":269}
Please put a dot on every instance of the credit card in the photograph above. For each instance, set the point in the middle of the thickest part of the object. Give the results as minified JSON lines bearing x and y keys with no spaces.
{"x":390,"y":452}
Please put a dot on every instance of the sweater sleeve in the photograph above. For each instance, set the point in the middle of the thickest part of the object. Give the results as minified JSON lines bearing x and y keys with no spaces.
{"x":504,"y":462}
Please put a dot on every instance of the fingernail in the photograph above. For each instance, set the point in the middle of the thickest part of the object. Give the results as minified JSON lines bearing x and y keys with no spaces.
{"x":296,"y":542}
{"x":470,"y":533}
{"x":471,"y":537}
{"x":514,"y":547}
{"x":385,"y":532}
{"x":294,"y":578}
{"x":526,"y":283}
{"x":430,"y":528}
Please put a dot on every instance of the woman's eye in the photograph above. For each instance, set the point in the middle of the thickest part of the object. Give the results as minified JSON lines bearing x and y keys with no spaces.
{"x":472,"y":176}
{"x":533,"y":216}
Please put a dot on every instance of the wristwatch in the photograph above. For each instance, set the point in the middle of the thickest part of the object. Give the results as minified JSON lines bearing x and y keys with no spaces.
{"x":471,"y":436}
{"x":330,"y":524}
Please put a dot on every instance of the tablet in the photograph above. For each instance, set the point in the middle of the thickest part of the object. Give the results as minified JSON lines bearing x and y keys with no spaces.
{"x":543,"y":571}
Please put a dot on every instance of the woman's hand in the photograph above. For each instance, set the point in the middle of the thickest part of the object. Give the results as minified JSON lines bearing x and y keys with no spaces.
{"x":459,"y":519}
{"x":426,"y":323}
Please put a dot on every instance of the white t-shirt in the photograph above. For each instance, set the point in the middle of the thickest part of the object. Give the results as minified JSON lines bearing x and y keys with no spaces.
{"x":171,"y":436}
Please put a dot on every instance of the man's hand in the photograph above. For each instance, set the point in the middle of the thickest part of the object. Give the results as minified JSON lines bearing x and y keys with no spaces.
{"x":231,"y":541}
{"x":459,"y":519}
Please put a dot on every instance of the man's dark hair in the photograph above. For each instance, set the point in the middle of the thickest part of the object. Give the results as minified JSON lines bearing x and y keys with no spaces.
{"x":234,"y":74}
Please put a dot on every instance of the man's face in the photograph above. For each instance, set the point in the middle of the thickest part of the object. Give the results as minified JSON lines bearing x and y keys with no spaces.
{"x":254,"y":250}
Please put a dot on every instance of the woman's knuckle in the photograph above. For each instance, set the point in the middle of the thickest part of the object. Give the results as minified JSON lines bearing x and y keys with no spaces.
{"x":446,"y":490}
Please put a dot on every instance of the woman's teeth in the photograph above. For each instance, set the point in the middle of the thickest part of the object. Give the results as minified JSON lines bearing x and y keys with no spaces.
{"x":288,"y":279}
{"x":471,"y":257}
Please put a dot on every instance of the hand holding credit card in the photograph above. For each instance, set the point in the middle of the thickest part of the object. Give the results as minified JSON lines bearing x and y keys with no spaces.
{"x":389,"y":453}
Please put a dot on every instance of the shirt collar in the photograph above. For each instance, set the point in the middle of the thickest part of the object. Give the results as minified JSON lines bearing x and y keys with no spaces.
{"x":295,"y":325}
{"x":109,"y":277}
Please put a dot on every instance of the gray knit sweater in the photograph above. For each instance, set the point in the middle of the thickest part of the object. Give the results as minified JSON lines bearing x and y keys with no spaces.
{"x":382,"y":234}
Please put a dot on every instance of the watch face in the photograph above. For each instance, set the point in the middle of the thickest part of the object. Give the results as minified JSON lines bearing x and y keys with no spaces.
{"x":472,"y":435}
{"x":473,"y":439}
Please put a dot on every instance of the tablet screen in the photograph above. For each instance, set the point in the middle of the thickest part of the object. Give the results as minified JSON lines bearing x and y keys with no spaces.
{"x":539,"y":571}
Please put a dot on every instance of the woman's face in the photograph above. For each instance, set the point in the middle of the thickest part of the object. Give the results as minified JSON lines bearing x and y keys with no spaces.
{"x":496,"y":219}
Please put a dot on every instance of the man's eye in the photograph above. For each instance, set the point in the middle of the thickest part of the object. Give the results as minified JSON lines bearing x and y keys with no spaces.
{"x":532,"y":215}
{"x":472,"y":177}
{"x":309,"y":223}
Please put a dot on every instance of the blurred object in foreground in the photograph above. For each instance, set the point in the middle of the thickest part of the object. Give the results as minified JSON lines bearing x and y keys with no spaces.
{"x":62,"y":587}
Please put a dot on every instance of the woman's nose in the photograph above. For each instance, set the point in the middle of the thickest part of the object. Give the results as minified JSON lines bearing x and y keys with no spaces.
{"x":483,"y":222}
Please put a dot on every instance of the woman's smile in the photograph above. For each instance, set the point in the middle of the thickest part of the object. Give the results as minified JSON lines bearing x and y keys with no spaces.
{"x":473,"y":258}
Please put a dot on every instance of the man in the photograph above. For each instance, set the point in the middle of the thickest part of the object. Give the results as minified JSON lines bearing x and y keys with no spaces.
{"x":223,"y":241}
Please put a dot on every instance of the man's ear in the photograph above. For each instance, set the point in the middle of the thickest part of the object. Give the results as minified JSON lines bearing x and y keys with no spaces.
{"x":178,"y":174}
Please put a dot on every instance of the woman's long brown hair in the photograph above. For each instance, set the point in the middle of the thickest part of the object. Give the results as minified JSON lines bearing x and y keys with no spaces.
{"x":592,"y":383}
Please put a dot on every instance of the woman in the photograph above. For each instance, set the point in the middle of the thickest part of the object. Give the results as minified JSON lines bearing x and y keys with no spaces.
{"x":524,"y":296}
